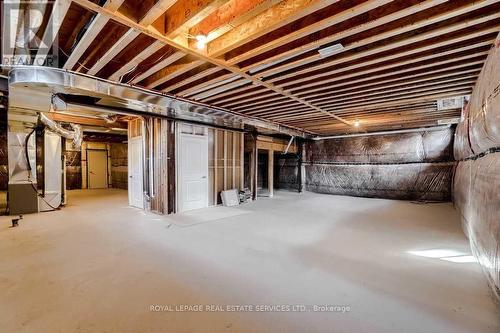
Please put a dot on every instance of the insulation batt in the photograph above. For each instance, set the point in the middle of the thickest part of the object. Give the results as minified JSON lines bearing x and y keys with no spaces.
{"x":476,"y":184}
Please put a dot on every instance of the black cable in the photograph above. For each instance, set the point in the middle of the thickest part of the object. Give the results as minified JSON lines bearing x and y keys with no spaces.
{"x":26,"y":151}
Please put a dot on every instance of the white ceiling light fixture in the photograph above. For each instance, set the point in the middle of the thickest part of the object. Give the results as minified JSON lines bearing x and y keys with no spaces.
{"x":330,"y":50}
{"x":356,"y":123}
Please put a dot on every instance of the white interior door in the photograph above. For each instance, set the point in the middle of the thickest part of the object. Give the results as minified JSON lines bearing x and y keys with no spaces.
{"x":193,"y":172}
{"x":135,"y":179}
{"x":97,"y":161}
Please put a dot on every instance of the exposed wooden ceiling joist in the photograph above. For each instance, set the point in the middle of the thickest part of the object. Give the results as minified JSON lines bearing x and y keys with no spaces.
{"x":95,"y":27}
{"x":397,"y":57}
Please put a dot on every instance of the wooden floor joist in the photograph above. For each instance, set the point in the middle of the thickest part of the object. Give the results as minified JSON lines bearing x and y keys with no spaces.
{"x":261,"y":58}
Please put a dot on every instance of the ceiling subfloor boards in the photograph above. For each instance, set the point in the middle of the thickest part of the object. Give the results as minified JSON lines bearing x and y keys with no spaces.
{"x":260,"y":58}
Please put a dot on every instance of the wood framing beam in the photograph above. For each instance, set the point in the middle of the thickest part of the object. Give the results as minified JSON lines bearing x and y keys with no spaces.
{"x":135,"y":61}
{"x":400,"y":50}
{"x":59,"y":10}
{"x":421,"y":53}
{"x":181,"y":66}
{"x":386,"y":96}
{"x":230,"y":15}
{"x":396,"y":80}
{"x":250,"y":94}
{"x":202,"y":71}
{"x":155,"y":34}
{"x":403,"y":89}
{"x":207,"y":83}
{"x":400,"y":84}
{"x":155,"y":12}
{"x":301,"y":28}
{"x":277,"y":16}
{"x":247,"y":97}
{"x":170,"y":59}
{"x":415,"y":98}
{"x":315,"y":56}
{"x":113,"y":51}
{"x":397,"y":67}
{"x":227,"y":93}
{"x":219,"y":89}
{"x":98,"y":23}
{"x":152,"y":15}
{"x":184,"y":14}
{"x":460,"y":61}
{"x":56,"y":116}
{"x":269,"y":101}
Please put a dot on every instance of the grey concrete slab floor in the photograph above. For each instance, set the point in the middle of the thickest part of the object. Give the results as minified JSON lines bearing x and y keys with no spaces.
{"x":295,"y":263}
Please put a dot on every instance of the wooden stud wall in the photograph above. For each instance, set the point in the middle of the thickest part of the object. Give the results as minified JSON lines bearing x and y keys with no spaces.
{"x":225,"y":162}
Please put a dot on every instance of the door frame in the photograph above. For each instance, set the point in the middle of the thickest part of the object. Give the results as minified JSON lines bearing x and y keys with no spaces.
{"x":178,"y":173}
{"x":87,"y":160}
{"x":140,"y":140}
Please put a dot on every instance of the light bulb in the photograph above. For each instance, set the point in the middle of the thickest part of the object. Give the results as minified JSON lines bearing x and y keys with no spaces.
{"x":201,"y":42}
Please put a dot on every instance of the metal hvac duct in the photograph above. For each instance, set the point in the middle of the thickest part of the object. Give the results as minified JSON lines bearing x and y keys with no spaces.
{"x":134,"y":99}
{"x":76,"y":135}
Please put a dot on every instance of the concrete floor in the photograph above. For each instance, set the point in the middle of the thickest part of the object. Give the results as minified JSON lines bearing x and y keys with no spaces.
{"x":98,"y":265}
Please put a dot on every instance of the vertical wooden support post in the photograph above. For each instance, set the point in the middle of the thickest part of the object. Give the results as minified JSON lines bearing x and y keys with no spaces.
{"x":302,"y":169}
{"x":233,"y":181}
{"x":253,"y":166}
{"x":270,"y":172}
{"x":163,"y":162}
{"x":300,"y":157}
{"x":171,"y":166}
{"x":109,"y":165}
{"x":84,"y":164}
{"x":216,"y":167}
{"x":225,"y":160}
{"x":242,"y":161}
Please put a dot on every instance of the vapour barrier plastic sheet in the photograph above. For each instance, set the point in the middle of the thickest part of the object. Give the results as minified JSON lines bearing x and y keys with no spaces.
{"x":431,"y":146}
{"x":409,"y":166}
{"x":484,"y":105}
{"x":286,"y":172}
{"x":477,"y":197}
{"x":461,"y":148}
{"x":476,"y":185}
{"x":415,"y":181}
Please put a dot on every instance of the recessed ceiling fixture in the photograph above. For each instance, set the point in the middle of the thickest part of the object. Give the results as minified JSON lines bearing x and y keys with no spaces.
{"x":356,"y":123}
{"x":331,"y":50}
